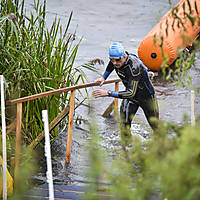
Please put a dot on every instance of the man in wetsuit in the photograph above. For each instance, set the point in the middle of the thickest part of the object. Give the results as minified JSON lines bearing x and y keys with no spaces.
{"x":138,"y":92}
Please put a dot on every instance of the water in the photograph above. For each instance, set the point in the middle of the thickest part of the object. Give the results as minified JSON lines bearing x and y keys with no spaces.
{"x":100,"y":23}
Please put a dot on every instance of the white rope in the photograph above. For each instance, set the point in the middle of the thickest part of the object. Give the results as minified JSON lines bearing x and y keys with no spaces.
{"x":3,"y":139}
{"x":48,"y":154}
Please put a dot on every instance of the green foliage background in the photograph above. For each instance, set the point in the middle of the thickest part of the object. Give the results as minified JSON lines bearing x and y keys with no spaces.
{"x":167,"y":166}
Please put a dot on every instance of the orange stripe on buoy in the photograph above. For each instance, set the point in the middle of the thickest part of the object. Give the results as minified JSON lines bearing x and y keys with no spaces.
{"x":176,"y":35}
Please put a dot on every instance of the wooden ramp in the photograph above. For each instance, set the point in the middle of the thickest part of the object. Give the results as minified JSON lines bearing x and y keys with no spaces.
{"x":62,"y":191}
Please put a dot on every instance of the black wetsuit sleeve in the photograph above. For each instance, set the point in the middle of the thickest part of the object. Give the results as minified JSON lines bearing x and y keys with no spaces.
{"x":130,"y":90}
{"x":109,"y":69}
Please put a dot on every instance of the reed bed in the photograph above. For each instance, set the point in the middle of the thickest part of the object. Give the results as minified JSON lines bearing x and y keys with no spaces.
{"x":34,"y":59}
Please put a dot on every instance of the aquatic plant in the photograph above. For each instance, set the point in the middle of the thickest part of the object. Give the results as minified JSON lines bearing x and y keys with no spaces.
{"x":35,"y":59}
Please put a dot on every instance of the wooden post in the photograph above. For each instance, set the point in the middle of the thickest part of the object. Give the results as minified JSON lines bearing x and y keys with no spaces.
{"x":18,"y":140}
{"x":116,"y":100}
{"x":70,"y":125}
{"x":192,"y":108}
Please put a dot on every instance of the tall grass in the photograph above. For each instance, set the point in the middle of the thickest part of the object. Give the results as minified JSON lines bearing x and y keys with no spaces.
{"x":34,"y":59}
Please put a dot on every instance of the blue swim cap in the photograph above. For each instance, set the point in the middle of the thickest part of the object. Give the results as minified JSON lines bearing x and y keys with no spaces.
{"x":116,"y":50}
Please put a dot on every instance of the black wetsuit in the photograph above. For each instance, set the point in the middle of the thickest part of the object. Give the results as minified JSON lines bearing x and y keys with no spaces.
{"x":139,"y":91}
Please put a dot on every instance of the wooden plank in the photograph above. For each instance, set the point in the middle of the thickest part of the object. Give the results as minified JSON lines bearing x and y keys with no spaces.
{"x":18,"y":141}
{"x":11,"y":127}
{"x":70,"y":125}
{"x":53,"y":92}
{"x":52,"y":125}
{"x":109,"y":110}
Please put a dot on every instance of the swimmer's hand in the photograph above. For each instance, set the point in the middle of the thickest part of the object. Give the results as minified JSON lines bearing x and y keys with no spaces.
{"x":100,"y":93}
{"x":100,"y":81}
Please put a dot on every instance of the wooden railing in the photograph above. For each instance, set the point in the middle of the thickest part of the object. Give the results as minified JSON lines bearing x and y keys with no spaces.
{"x":73,"y":89}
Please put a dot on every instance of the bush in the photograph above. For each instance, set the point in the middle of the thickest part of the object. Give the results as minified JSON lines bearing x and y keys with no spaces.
{"x":167,"y":166}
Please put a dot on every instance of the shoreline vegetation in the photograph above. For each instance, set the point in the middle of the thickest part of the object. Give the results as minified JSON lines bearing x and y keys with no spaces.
{"x":35,"y":60}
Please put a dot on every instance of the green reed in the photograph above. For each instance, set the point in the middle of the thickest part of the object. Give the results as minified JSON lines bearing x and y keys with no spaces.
{"x":34,"y":59}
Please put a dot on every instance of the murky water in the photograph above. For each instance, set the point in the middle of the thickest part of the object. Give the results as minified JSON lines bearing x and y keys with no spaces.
{"x":100,"y":23}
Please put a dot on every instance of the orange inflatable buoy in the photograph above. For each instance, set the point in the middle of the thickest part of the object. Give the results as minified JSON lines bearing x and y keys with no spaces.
{"x":176,"y":30}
